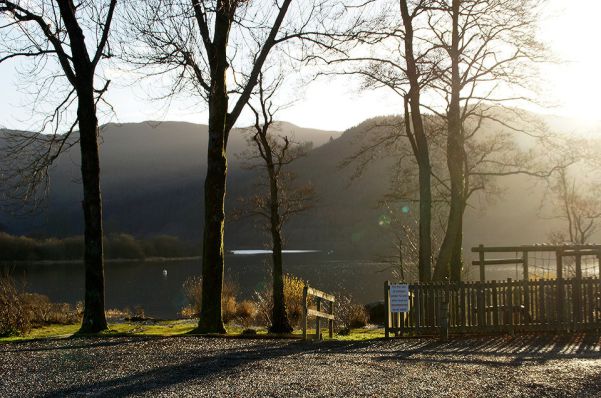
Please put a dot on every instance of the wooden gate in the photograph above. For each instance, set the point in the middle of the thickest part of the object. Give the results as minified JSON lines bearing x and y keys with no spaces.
{"x":500,"y":306}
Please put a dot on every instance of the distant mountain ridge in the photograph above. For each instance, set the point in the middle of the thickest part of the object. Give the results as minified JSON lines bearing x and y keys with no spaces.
{"x":152,"y":183}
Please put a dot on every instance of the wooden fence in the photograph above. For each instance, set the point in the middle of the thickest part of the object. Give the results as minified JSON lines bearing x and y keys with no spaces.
{"x":499,"y":306}
{"x":319,"y":296}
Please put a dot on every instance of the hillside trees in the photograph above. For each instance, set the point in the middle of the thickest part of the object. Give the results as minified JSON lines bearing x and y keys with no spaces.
{"x":215,"y":50}
{"x":65,"y":43}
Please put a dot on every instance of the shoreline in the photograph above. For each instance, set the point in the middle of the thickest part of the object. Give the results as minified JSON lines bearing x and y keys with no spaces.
{"x":106,"y":261}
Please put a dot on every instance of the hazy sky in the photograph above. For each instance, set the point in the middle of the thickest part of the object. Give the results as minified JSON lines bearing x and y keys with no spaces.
{"x":571,"y":29}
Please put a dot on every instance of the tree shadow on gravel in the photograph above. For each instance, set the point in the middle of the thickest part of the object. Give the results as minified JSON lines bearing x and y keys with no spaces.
{"x":71,"y":343}
{"x":227,"y":361}
{"x":500,"y":351}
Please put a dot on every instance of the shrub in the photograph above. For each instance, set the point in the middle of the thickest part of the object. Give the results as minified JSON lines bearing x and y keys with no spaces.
{"x":14,"y":318}
{"x":115,"y":313}
{"x":193,"y":291}
{"x":41,"y":311}
{"x":348,"y":313}
{"x":293,"y":298}
{"x":246,"y":312}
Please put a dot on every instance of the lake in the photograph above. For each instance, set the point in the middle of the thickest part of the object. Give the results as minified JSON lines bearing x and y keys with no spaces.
{"x":160,"y":294}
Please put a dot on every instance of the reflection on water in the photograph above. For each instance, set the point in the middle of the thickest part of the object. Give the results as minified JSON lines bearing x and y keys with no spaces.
{"x":157,"y":286}
{"x":253,"y":252}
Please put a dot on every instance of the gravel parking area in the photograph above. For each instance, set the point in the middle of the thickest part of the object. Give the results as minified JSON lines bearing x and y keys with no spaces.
{"x":538,"y":366}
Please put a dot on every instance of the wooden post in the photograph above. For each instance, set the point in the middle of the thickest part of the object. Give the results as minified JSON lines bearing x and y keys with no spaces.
{"x":417,"y":299}
{"x":481,"y":258}
{"x":318,"y":320}
{"x":577,"y":292}
{"x":444,"y":312}
{"x":331,"y":321}
{"x":480,"y":304}
{"x":526,"y":277}
{"x":462,"y":305}
{"x":387,"y":309}
{"x":599,"y":264}
{"x":559,"y":272}
{"x":559,"y":264}
{"x":305,"y":310}
{"x":542,"y":317}
{"x":509,"y":307}
{"x":560,"y":312}
{"x":495,"y":305}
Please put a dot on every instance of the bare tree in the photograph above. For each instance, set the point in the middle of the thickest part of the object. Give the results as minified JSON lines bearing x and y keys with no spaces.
{"x":488,"y":48}
{"x":577,"y":203}
{"x":73,"y":36}
{"x":395,"y":58}
{"x":283,"y":197}
{"x":201,"y":45}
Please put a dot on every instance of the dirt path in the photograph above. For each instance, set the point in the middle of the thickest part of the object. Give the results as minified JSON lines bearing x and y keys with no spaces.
{"x":193,"y":366}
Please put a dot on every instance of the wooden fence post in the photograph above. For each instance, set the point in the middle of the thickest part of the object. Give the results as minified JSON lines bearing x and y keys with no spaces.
{"x":387,"y":309}
{"x":495,"y":305}
{"x":509,"y":306}
{"x":577,"y":294}
{"x":481,"y":258}
{"x":305,"y":310}
{"x":558,"y":264}
{"x":560,"y":296}
{"x":331,"y":321}
{"x":480,"y":305}
{"x":318,"y":320}
{"x":526,"y":278}
{"x":417,"y":299}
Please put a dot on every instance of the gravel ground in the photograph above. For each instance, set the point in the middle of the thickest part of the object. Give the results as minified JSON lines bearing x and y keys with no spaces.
{"x":541,"y":366}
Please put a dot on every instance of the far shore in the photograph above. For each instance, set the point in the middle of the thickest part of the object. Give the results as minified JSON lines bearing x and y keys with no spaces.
{"x":107,"y":260}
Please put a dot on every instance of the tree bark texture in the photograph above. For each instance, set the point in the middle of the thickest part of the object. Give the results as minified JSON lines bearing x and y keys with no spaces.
{"x":93,"y":317}
{"x":455,"y":163}
{"x":419,"y":143}
{"x":211,"y":317}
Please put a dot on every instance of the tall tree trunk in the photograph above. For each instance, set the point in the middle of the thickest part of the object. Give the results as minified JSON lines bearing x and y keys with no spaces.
{"x":419,"y":143}
{"x":425,"y":218}
{"x":211,"y":317}
{"x":457,"y":255}
{"x":455,"y":158}
{"x":93,"y":317}
{"x":279,"y":321}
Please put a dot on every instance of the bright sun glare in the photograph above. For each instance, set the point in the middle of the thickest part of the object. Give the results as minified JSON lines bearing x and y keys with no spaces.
{"x":572,"y":30}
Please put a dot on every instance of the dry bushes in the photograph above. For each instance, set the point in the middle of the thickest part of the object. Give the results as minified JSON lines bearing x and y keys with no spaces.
{"x":21,"y":311}
{"x":243,"y":313}
{"x":248,"y":313}
{"x":14,"y":319}
{"x":44,"y":312}
{"x":348,"y":313}
{"x":293,"y":297}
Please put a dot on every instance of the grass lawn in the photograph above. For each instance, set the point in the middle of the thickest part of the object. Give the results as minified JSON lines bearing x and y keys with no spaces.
{"x":170,"y":328}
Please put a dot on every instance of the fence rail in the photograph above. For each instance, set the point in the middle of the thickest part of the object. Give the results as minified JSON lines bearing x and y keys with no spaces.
{"x":500,"y":306}
{"x":319,"y":297}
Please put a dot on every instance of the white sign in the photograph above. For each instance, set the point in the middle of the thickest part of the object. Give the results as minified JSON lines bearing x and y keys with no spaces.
{"x":399,"y":298}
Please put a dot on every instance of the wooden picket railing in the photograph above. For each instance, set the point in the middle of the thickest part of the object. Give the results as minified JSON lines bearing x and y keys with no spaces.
{"x":501,"y":306}
{"x":319,"y":297}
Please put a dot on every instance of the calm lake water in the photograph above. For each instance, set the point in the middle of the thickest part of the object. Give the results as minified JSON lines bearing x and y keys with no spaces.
{"x":145,"y":284}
